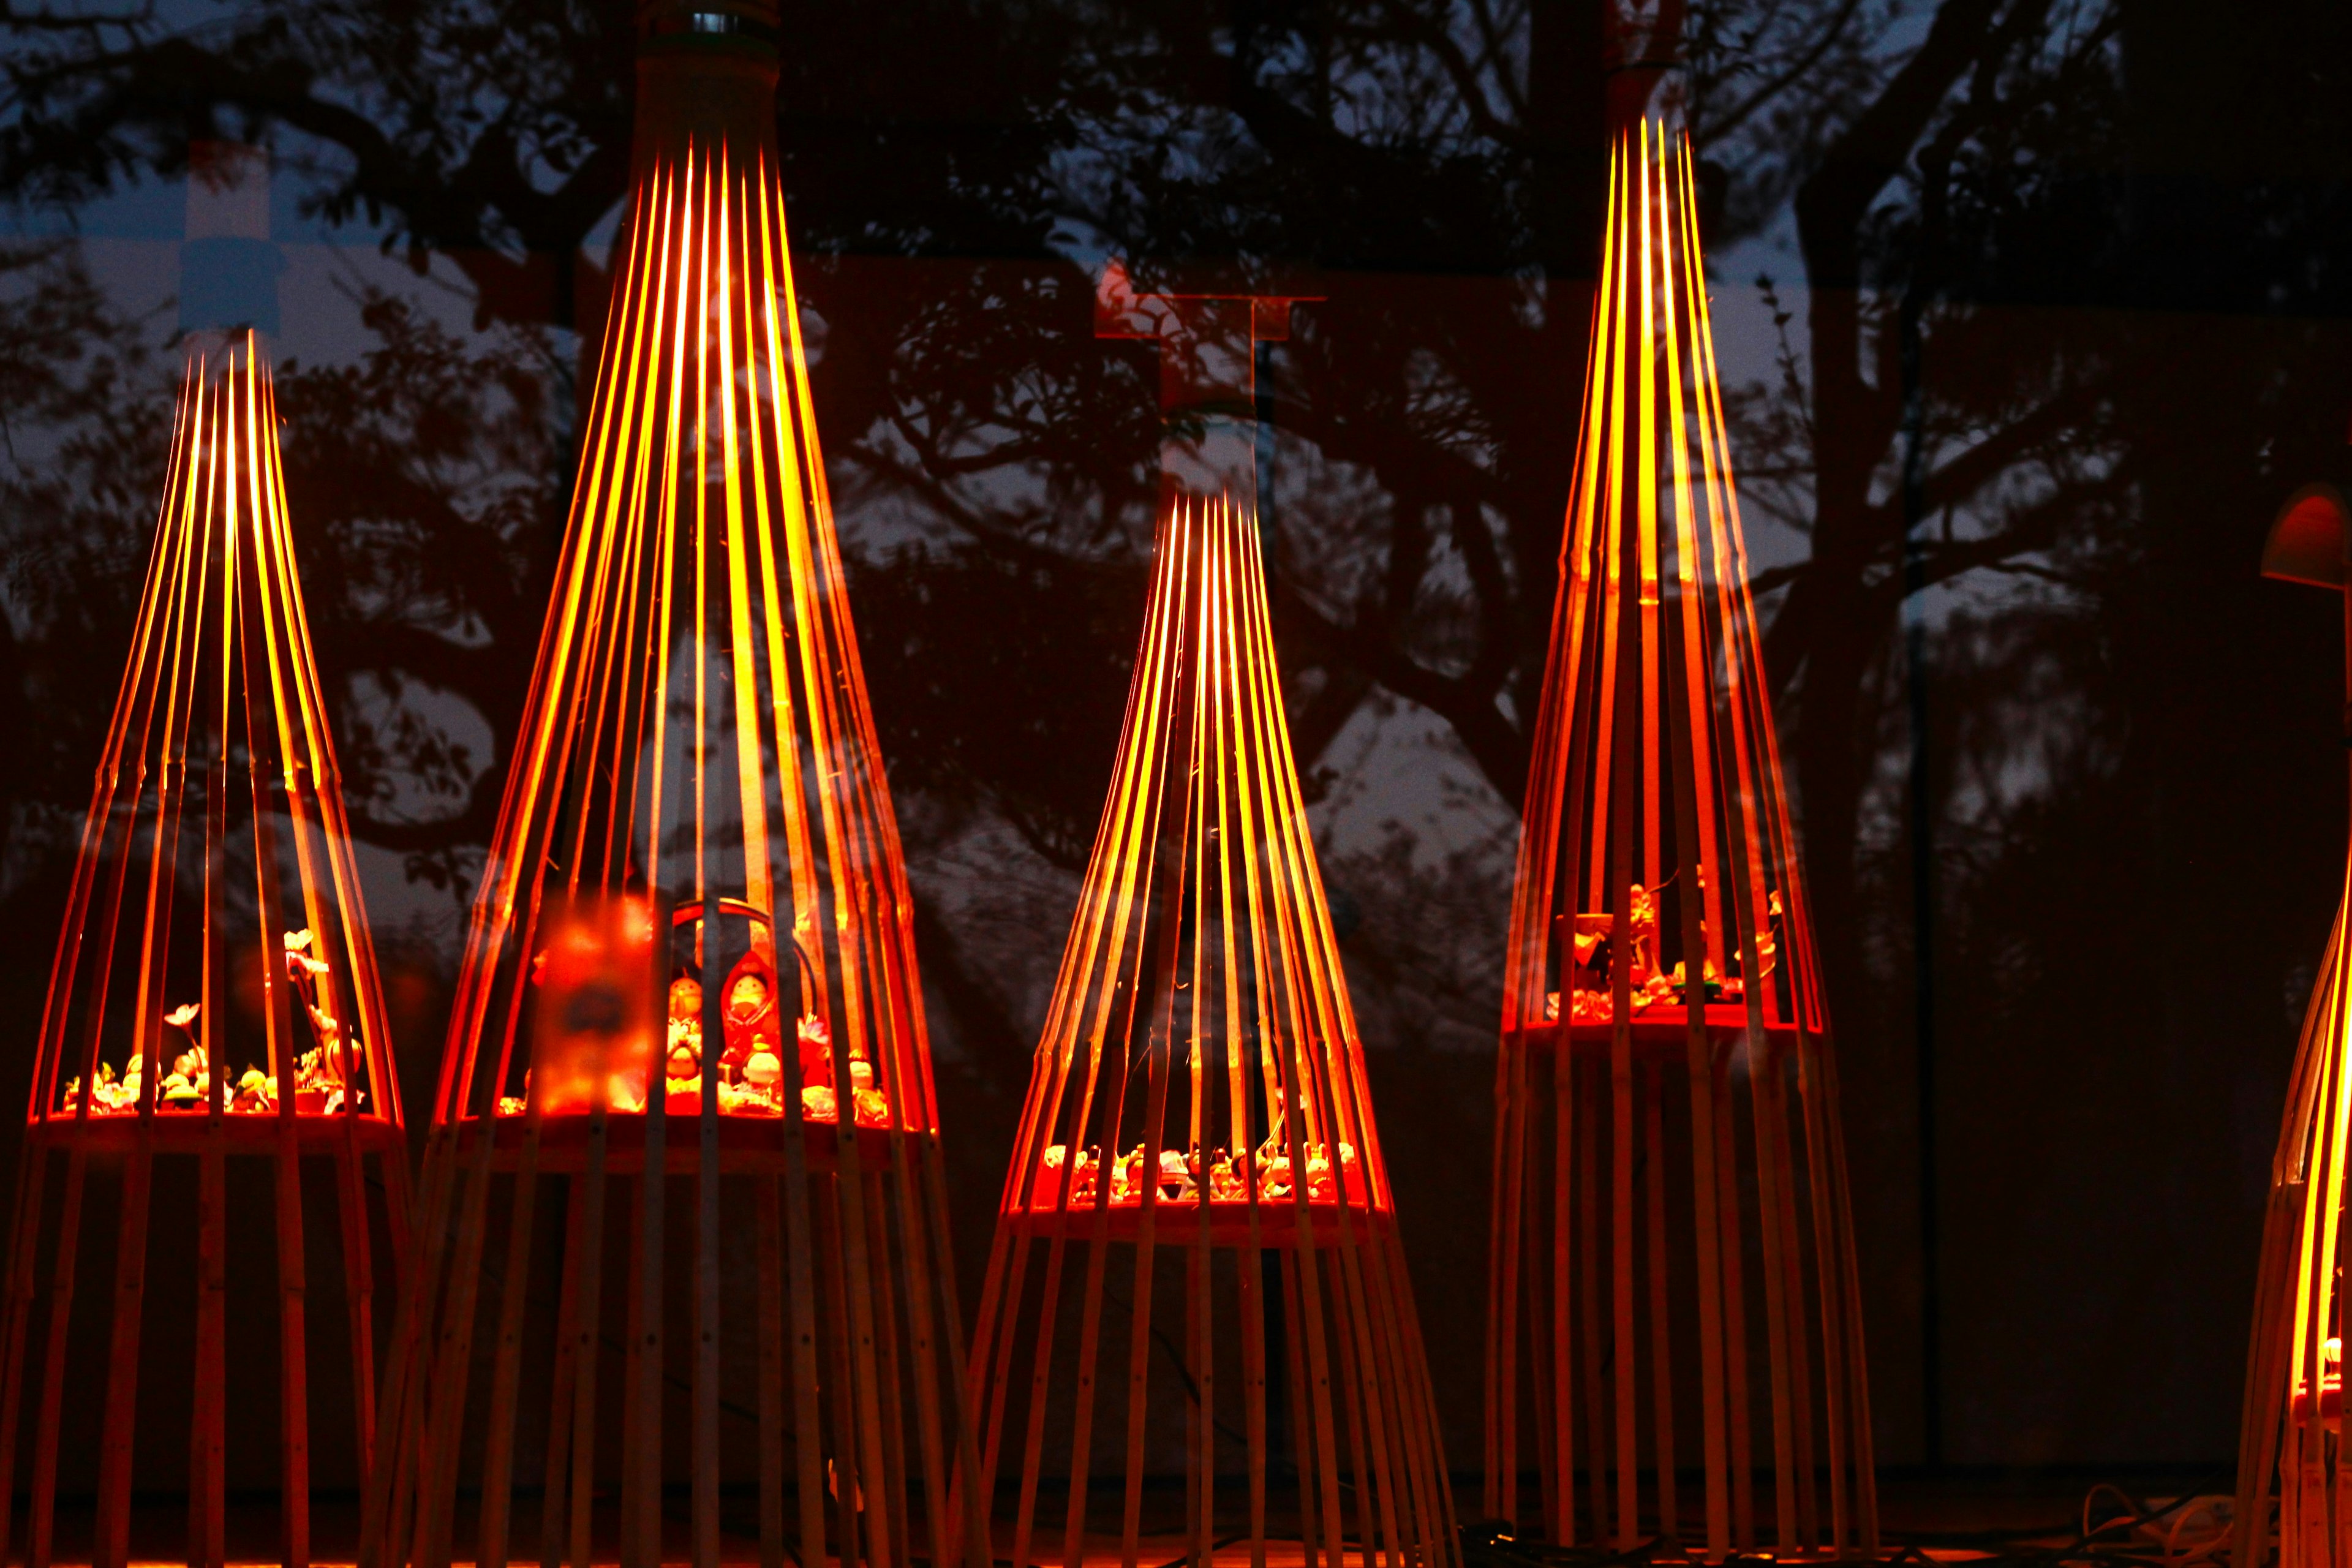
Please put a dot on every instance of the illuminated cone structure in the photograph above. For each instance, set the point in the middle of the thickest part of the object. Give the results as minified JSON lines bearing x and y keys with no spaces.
{"x":213,"y":1043}
{"x":2291,"y":1436}
{"x":1673,"y":1284}
{"x":690,"y":953}
{"x":2293,"y":1430}
{"x":1200,"y":1046}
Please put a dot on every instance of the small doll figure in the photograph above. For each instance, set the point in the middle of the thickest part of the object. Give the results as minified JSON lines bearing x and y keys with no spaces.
{"x":684,"y":1055}
{"x":1225,"y":1183}
{"x":817,"y":1053}
{"x":319,"y":1077}
{"x":764,"y":1072}
{"x":1642,"y":951}
{"x":1176,"y":1177}
{"x":1124,"y":1188}
{"x":750,"y":1018}
{"x":873,"y":1105}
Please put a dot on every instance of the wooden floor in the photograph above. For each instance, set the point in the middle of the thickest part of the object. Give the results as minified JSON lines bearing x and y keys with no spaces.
{"x":1957,"y":1518}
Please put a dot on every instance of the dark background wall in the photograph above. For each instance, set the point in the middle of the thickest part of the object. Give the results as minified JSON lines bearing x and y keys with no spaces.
{"x":2033,"y":312}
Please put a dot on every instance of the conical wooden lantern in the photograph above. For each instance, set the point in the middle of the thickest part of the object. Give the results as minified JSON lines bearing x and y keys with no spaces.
{"x":690,"y":955}
{"x":1672,"y":1283}
{"x":1196,"y":1268}
{"x":213,"y":1017}
{"x":2291,"y":1436}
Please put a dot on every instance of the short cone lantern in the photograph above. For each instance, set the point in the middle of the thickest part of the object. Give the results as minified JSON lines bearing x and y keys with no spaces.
{"x":1670,"y":1208}
{"x":213,"y":1021}
{"x":685,"y":1137}
{"x":2291,"y":1436}
{"x":1196,"y":1270}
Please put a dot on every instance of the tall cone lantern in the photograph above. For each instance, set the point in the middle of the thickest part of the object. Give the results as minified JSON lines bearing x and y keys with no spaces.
{"x":690,"y":955}
{"x":2289,"y":1440}
{"x":1196,"y":1268}
{"x":213,"y":1038}
{"x":1673,"y":1290}
{"x":214,"y":1003}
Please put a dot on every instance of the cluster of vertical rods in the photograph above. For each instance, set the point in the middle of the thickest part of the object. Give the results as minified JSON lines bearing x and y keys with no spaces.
{"x":1659,"y":930}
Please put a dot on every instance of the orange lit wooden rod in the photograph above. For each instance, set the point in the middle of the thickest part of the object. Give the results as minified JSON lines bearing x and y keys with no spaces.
{"x":685,"y":1137}
{"x":1196,"y":1268}
{"x":1661,"y":970}
{"x":214,"y":1002}
{"x":2291,"y":1434}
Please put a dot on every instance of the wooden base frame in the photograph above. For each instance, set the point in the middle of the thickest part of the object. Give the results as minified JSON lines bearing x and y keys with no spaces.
{"x":1675,"y":1280}
{"x":815,"y":1342}
{"x":186,"y":1179}
{"x":1279,"y":1373}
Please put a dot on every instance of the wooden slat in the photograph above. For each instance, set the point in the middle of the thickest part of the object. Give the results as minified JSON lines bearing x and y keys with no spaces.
{"x":767,"y":1218}
{"x":1249,"y":1271}
{"x":641,"y":1433}
{"x":707,"y":1175}
{"x":1140,"y":1300}
{"x":61,"y":1294}
{"x":1591,"y":1338}
{"x":1559,"y":1412}
{"x":555,"y":1489}
{"x":890,"y":1393}
{"x":208,"y":1486}
{"x":970,"y":1545}
{"x":1624,"y":1396}
{"x":929,"y":1375}
{"x":1655,"y":1244}
{"x":808,"y":1436}
{"x":1732,"y":1253}
{"x":359,"y":1293}
{"x":453,"y":1364}
{"x":1857,"y":1407}
{"x":111,"y":1547}
{"x":1828,"y":1239}
{"x":1771,"y":1197}
{"x":586,"y":1346}
{"x":506,"y":1364}
{"x":1308,"y":1458}
{"x":24,"y":1248}
{"x":635,"y":1505}
{"x":1504,"y":1239}
{"x":400,"y":1418}
{"x":843,"y":1473}
{"x":1199,"y":1354}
